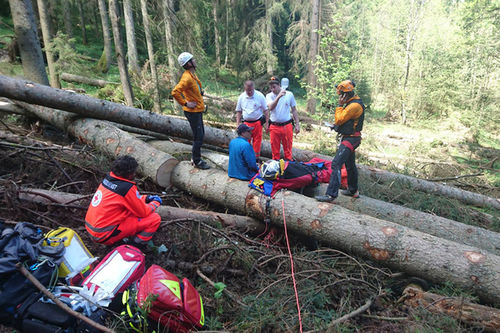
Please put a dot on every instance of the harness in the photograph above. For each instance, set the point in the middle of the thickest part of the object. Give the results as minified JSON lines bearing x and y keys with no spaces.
{"x":353,"y":126}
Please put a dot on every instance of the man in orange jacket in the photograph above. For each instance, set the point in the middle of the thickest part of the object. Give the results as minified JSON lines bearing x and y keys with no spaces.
{"x":117,"y":210}
{"x":349,"y":117}
{"x":189,"y":93}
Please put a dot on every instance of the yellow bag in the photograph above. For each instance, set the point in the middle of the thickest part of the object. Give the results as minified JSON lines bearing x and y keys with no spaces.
{"x":77,"y":258}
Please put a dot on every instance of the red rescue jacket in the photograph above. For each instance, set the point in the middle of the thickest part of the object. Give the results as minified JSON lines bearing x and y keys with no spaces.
{"x":115,"y":200}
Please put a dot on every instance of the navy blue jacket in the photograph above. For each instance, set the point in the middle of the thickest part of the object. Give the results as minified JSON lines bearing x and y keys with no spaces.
{"x":242,"y":163}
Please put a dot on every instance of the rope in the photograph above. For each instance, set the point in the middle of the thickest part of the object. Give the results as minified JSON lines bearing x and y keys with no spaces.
{"x":291,"y":263}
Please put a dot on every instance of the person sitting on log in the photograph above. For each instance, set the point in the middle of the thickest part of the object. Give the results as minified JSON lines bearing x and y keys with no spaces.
{"x":118,"y":211}
{"x":275,"y":175}
{"x":242,"y":161}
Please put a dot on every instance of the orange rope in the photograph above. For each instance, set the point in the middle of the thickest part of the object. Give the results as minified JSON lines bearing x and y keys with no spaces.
{"x":291,"y":263}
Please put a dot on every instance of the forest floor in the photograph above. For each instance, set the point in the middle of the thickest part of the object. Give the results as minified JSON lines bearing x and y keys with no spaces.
{"x":255,"y":270}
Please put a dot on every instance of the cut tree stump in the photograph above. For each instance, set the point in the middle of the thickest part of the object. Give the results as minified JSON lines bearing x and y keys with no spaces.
{"x":387,"y":243}
{"x":31,"y":92}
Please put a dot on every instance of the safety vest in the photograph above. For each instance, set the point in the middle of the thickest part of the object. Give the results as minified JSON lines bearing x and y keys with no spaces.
{"x":353,"y":126}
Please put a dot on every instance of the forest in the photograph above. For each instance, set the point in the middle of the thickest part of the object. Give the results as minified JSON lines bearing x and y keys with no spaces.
{"x":84,"y":82}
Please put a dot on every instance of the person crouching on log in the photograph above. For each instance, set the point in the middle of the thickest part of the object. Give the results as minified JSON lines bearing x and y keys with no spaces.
{"x":349,"y":117}
{"x":189,"y":94}
{"x":118,"y":211}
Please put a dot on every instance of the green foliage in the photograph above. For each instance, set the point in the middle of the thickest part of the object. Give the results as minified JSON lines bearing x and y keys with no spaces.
{"x":67,"y":58}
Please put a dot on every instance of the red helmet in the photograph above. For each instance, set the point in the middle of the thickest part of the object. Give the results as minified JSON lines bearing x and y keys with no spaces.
{"x":345,"y":86}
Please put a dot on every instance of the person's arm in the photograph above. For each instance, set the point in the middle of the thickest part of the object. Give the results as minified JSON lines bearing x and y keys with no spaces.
{"x":249,"y":158}
{"x":239,"y":112}
{"x":272,"y":104}
{"x":137,"y":203}
{"x":343,"y":115}
{"x":295,"y":116}
{"x":265,"y":111}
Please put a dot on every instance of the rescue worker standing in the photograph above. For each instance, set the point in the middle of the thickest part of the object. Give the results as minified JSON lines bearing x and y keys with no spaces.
{"x":349,"y":117}
{"x":242,"y":163}
{"x":252,"y":108}
{"x":282,"y":107}
{"x":117,"y":210}
{"x":189,"y":93}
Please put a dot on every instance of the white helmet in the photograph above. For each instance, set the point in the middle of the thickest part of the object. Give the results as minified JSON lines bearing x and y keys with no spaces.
{"x":184,"y":57}
{"x":270,"y":169}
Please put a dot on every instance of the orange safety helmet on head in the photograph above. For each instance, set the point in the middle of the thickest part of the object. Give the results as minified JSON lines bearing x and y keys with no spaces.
{"x":345,"y":86}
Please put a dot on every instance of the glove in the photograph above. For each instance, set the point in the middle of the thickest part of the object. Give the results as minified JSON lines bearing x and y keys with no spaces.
{"x":150,"y":198}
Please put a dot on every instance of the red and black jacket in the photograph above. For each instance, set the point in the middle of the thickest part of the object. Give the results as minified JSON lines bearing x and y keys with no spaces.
{"x":115,"y":200}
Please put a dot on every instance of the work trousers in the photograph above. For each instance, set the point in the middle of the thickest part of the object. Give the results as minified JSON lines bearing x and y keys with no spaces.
{"x":256,"y":140}
{"x":281,"y":135}
{"x":196,"y":122}
{"x":143,"y":228}
{"x":345,"y":155}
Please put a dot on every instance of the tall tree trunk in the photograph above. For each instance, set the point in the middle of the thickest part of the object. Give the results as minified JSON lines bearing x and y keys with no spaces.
{"x":228,"y":8}
{"x":120,"y":53}
{"x":216,"y":34}
{"x":47,"y":39}
{"x":151,"y":54}
{"x":389,"y":244}
{"x":95,"y":10}
{"x":168,"y":6}
{"x":105,"y":60}
{"x":28,"y":42}
{"x":100,"y":109}
{"x":130,"y":32}
{"x":313,"y":52}
{"x":52,"y":17}
{"x":82,"y":22}
{"x":66,"y":10}
{"x":269,"y":34}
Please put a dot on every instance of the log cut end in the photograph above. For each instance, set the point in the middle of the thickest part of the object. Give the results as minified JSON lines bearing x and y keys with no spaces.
{"x":164,"y":172}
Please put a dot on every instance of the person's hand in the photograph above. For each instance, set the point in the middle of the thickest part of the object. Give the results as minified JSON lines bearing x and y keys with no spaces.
{"x":342,"y":99}
{"x":156,"y":198}
{"x":297,"y":129}
{"x":282,"y":93}
{"x":191,"y":105}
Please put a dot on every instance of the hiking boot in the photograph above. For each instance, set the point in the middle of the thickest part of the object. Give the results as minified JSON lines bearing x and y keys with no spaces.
{"x":201,"y":165}
{"x":350,"y":194}
{"x":325,"y":198}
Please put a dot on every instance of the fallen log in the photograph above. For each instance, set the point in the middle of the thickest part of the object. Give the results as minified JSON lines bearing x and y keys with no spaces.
{"x":85,"y":80}
{"x":94,"y":108}
{"x":390,"y":244}
{"x":242,"y":223}
{"x":431,"y":224}
{"x":485,"y":317}
{"x":114,"y":142}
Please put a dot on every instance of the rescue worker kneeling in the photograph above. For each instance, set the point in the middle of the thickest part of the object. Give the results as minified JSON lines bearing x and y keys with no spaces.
{"x":117,"y":210}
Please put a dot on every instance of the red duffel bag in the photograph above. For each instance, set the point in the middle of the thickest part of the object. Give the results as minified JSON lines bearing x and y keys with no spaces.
{"x":174,"y":304}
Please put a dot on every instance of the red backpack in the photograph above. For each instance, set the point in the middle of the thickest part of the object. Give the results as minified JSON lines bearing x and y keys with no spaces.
{"x":174,"y":304}
{"x":116,"y":272}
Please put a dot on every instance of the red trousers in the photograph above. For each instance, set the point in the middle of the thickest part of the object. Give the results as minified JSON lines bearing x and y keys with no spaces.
{"x":143,"y":228}
{"x":281,"y":135}
{"x":256,"y":140}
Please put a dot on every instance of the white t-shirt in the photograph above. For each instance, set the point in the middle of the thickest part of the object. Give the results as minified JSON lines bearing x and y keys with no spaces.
{"x":252,"y":108}
{"x":281,"y":113}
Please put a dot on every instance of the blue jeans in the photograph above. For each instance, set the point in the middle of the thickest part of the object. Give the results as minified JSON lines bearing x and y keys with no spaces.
{"x":196,"y":122}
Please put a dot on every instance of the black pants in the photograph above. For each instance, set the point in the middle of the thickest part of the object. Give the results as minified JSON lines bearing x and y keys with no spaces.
{"x":196,"y":122}
{"x":345,"y":155}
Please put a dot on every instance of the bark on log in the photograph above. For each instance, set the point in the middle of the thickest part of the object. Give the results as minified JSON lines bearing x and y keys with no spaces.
{"x":112,"y":141}
{"x":389,"y":244}
{"x":424,"y":222}
{"x":38,"y":94}
{"x":472,"y":314}
{"x":86,"y":80}
{"x":242,"y":223}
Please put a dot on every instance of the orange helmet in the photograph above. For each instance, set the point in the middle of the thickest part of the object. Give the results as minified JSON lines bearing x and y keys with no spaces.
{"x":345,"y":86}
